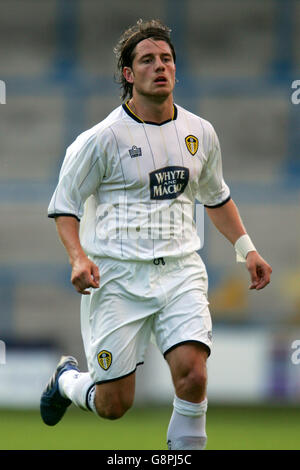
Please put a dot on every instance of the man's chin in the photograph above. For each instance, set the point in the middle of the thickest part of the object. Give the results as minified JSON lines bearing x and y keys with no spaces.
{"x":158,"y":94}
{"x":163,"y":92}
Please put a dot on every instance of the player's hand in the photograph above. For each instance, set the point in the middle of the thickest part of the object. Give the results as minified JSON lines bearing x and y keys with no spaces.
{"x":85,"y":274}
{"x":260,"y":271}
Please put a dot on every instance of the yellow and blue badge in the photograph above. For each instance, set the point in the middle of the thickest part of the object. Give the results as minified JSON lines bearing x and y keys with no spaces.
{"x":104,"y":359}
{"x":192,"y":144}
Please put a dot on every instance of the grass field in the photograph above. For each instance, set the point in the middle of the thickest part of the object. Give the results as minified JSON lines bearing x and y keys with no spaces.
{"x":237,"y":428}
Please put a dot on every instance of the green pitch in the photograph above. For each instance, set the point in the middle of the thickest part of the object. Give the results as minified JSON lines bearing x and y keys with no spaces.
{"x":227,"y":427}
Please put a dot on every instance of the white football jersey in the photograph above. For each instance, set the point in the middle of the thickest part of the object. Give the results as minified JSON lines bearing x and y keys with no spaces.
{"x":133,"y":184}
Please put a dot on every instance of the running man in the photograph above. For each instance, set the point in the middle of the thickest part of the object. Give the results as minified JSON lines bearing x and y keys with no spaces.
{"x":124,"y":209}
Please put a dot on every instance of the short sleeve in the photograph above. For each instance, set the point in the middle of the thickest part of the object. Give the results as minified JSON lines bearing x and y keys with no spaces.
{"x":212,"y":189}
{"x":80,"y":175}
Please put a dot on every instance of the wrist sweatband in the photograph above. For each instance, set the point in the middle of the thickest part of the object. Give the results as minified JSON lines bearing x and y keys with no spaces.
{"x":242,"y":247}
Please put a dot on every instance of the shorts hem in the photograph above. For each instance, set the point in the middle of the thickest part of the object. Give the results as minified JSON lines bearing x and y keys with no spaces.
{"x":185,"y":342}
{"x":118,"y":378}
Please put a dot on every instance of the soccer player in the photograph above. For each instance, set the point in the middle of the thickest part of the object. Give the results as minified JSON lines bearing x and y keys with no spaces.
{"x":124,"y":209}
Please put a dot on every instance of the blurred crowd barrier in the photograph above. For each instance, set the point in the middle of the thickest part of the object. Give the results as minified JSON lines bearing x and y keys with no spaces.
{"x":236,"y":63}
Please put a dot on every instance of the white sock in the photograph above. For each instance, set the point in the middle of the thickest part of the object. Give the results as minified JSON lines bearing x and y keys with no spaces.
{"x":187,"y":425}
{"x":79,"y":388}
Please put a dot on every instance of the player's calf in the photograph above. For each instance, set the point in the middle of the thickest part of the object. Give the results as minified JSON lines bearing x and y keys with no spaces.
{"x":189,"y":373}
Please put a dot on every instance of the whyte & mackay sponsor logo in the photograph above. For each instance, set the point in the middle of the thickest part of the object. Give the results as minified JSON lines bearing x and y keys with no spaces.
{"x":168,"y":182}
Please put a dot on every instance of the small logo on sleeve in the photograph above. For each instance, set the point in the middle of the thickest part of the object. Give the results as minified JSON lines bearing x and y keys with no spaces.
{"x":104,"y":359}
{"x":192,"y":144}
{"x":168,"y":182}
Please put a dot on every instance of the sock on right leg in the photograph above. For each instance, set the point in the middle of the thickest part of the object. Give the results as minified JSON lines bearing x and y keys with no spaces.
{"x":79,"y":388}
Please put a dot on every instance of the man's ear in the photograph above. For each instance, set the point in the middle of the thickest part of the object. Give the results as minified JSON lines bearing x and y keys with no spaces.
{"x":128,"y":74}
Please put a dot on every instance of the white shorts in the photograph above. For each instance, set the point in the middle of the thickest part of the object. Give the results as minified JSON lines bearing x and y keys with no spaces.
{"x":136,"y":299}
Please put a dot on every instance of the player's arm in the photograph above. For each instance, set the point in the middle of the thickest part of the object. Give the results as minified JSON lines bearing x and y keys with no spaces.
{"x":80,"y":176}
{"x":85,"y":273}
{"x":227,"y":220}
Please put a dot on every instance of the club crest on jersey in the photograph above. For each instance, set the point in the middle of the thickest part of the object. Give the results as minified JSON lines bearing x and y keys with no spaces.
{"x":192,"y":144}
{"x":135,"y":151}
{"x":168,"y":182}
{"x":104,"y":359}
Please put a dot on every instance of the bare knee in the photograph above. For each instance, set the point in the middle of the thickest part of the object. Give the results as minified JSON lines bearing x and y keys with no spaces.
{"x":112,"y":402}
{"x":191,"y":386}
{"x":112,"y":410}
{"x":187,"y":363}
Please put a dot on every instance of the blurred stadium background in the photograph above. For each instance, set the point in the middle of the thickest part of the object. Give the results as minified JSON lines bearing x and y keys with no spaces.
{"x":236,"y":62}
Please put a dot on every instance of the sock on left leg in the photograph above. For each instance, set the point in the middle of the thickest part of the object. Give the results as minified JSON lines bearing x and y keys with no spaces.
{"x":187,"y":425}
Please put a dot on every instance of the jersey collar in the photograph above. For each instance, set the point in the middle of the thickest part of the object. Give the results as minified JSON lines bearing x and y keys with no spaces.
{"x":137,"y":119}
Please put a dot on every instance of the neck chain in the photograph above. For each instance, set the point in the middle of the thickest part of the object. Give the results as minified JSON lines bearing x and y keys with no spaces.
{"x":134,"y":113}
{"x":130,"y":109}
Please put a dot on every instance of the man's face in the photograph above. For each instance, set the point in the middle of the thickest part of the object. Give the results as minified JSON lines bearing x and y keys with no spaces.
{"x":153,"y":69}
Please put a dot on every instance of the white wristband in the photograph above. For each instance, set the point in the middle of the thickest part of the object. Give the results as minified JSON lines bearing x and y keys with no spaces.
{"x":242,"y":247}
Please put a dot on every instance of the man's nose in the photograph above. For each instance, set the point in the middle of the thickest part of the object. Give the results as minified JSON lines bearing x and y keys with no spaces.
{"x":159,"y":65}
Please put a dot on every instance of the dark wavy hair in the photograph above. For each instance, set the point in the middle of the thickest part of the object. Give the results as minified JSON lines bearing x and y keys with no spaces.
{"x":125,"y":47}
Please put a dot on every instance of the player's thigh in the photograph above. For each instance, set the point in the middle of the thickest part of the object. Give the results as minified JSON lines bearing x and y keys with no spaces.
{"x":114,"y":398}
{"x":116,"y":325}
{"x":187,"y":357}
{"x":186,"y":316}
{"x":188,"y":369}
